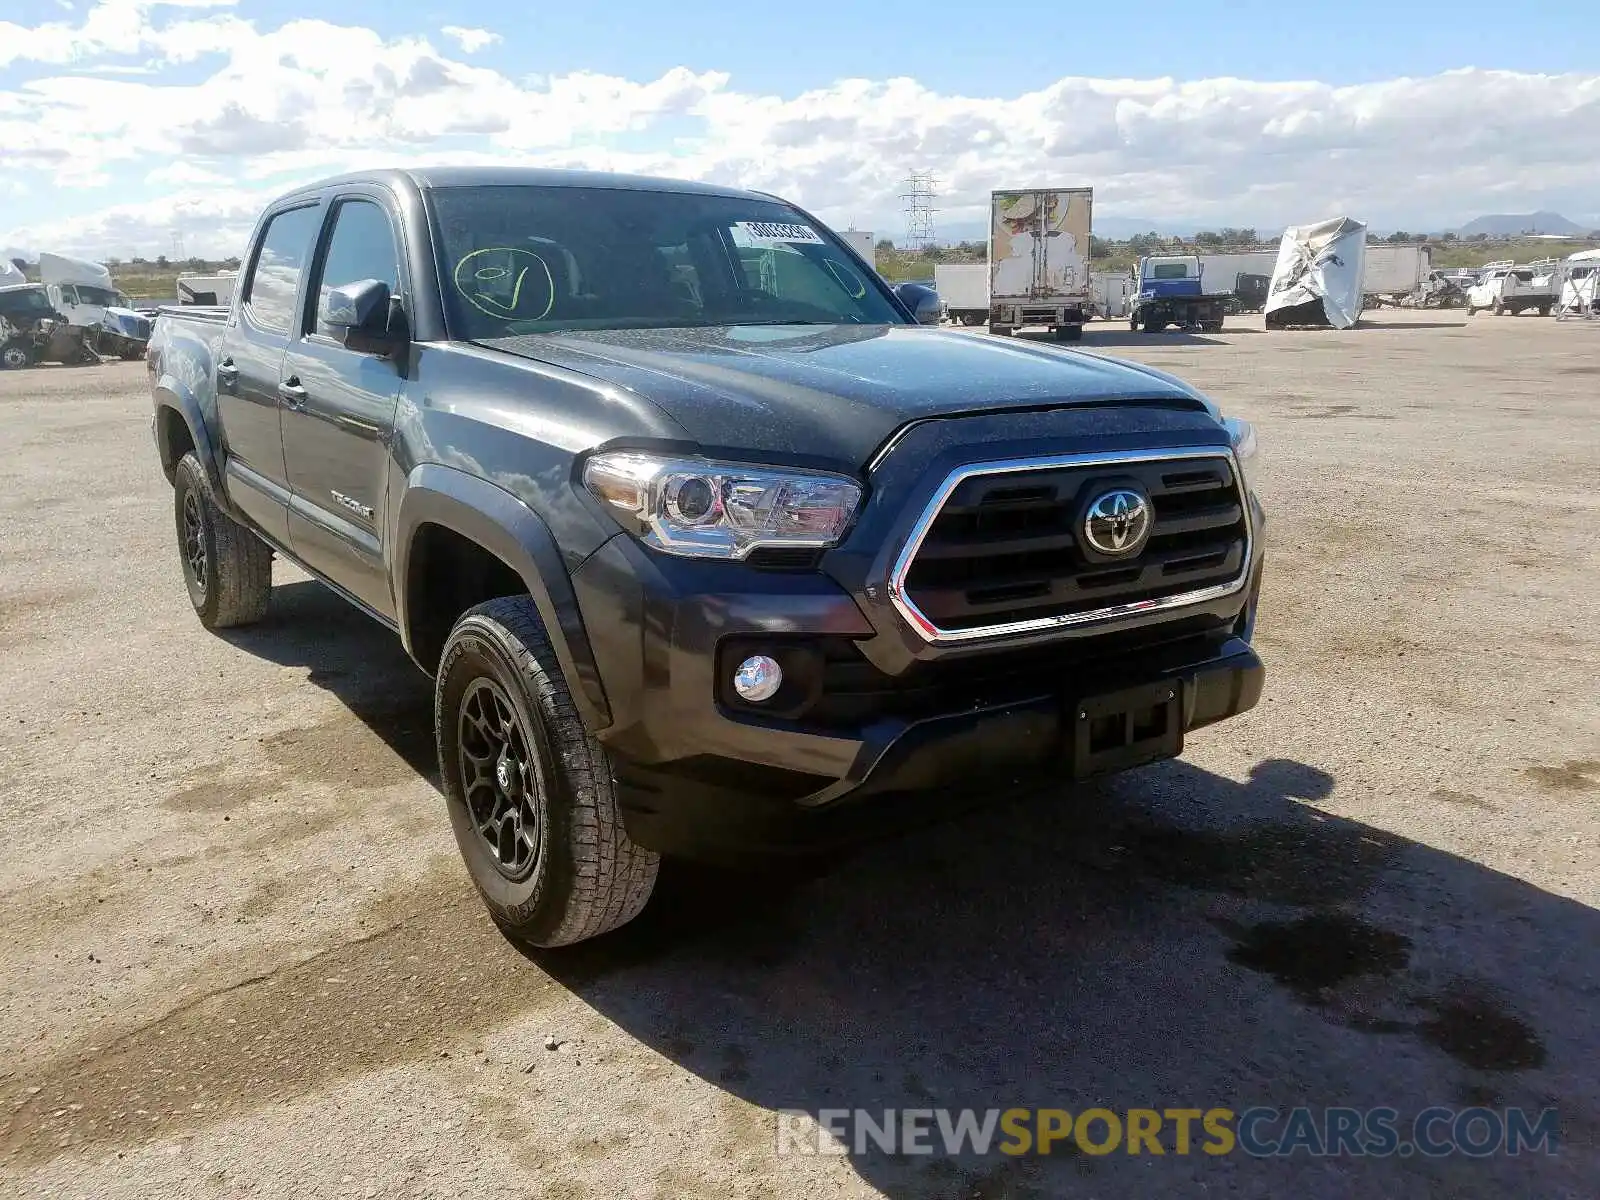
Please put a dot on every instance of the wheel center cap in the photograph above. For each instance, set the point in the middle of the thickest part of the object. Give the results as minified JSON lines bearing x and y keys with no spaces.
{"x":505,"y":774}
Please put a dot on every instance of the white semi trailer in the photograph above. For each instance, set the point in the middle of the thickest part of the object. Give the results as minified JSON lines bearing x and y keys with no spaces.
{"x":1039,"y":260}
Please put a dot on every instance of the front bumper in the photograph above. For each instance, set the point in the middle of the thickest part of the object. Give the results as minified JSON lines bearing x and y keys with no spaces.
{"x":697,"y":777}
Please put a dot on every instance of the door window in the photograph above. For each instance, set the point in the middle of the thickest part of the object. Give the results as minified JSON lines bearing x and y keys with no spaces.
{"x":362,"y":247}
{"x":275,"y":277}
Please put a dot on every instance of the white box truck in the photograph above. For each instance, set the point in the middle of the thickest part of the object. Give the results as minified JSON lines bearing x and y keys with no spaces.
{"x":963,"y":291}
{"x":1394,"y":271}
{"x":1039,"y":260}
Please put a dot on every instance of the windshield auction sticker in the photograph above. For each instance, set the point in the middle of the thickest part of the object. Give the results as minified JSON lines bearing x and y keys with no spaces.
{"x":775,"y":233}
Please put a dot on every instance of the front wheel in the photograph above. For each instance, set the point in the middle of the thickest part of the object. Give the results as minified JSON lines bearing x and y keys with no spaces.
{"x":529,"y":790}
{"x":14,"y":355}
{"x":227,"y":569}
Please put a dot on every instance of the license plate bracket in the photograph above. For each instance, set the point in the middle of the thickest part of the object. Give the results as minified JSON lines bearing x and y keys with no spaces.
{"x":1118,"y":730}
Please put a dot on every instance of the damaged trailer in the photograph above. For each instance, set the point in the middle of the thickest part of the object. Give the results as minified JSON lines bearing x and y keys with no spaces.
{"x":1317,"y":281}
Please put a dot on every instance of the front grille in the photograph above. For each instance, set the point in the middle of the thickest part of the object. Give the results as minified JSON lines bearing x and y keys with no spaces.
{"x":1005,"y":548}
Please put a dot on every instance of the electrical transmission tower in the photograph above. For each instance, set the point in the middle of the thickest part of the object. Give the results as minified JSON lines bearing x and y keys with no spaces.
{"x":918,"y":200}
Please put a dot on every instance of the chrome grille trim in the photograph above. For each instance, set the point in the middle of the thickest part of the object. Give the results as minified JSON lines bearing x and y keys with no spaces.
{"x":935,"y":635}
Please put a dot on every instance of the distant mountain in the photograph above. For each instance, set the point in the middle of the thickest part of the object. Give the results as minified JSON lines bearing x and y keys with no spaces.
{"x":1511,"y":224}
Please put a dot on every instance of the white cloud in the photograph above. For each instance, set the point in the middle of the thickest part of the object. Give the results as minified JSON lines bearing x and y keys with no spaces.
{"x":470,"y":40}
{"x":265,"y":107}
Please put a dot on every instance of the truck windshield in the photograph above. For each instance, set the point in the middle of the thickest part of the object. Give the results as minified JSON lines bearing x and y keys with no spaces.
{"x":98,"y":296}
{"x":529,"y":259}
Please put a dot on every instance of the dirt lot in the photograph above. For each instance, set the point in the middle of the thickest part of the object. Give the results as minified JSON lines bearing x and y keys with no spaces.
{"x":240,"y":954}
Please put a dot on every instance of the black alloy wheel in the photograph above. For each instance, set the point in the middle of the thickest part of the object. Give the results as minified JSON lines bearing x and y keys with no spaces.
{"x":501,"y":778}
{"x":194,"y":539}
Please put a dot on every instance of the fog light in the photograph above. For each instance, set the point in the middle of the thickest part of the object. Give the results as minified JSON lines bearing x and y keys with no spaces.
{"x":758,"y":678}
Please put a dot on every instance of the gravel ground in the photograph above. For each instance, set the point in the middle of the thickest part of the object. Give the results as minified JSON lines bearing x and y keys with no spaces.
{"x":241,"y":956}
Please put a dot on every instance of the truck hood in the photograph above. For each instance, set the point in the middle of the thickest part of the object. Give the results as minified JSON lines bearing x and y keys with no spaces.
{"x":837,"y":392}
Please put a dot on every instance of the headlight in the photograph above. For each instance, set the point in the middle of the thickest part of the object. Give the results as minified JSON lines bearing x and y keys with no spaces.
{"x":1242,"y":436}
{"x":703,"y":509}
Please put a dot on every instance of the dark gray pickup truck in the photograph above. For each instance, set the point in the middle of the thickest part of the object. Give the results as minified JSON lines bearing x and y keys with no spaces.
{"x":709,"y":546}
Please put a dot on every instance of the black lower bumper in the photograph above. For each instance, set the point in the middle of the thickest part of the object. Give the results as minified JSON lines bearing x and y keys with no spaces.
{"x":1119,"y":716}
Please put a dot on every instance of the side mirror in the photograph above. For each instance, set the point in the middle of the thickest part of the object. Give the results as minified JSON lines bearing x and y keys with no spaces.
{"x":922,"y":300}
{"x":363,"y":316}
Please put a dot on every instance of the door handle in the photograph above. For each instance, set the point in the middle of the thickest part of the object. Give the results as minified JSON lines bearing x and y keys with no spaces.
{"x":227,"y":373}
{"x":294,"y":396}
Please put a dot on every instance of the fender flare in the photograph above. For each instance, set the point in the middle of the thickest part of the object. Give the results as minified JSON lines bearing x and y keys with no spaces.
{"x":506,"y":527}
{"x":171,"y":393}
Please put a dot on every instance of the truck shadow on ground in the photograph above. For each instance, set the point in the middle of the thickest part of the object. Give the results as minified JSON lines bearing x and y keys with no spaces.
{"x":354,"y":658}
{"x":1170,"y":938}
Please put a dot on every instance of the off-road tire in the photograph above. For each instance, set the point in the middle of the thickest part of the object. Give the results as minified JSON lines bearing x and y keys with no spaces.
{"x":234,"y":584}
{"x":586,"y":877}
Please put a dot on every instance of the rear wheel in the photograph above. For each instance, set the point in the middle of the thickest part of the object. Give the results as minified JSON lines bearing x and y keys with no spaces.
{"x":1068,"y":333}
{"x":529,"y":790}
{"x":1544,"y":310}
{"x":227,"y":568}
{"x":1000,"y":330}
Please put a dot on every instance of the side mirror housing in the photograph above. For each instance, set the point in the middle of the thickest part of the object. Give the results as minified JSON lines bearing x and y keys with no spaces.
{"x":922,"y":300}
{"x":363,"y":316}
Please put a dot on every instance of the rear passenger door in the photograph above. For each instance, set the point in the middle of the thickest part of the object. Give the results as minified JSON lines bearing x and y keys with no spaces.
{"x":248,"y":368}
{"x":339,"y":407}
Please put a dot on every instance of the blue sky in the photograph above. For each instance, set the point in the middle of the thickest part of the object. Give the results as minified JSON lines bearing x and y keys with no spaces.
{"x":122,"y":121}
{"x":942,"y":43}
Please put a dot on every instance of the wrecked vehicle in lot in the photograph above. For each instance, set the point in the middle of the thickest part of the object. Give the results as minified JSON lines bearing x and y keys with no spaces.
{"x":1318,"y":279}
{"x":709,"y":546}
{"x":34,"y":332}
{"x":83,"y":293}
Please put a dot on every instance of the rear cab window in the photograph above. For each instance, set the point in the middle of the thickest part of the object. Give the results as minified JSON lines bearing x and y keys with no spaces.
{"x":274,"y":281}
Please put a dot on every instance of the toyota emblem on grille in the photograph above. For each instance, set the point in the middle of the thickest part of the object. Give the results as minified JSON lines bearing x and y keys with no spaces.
{"x":1117,"y":522}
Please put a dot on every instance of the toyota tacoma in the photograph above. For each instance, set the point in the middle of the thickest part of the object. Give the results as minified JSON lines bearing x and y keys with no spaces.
{"x":710,"y":546}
